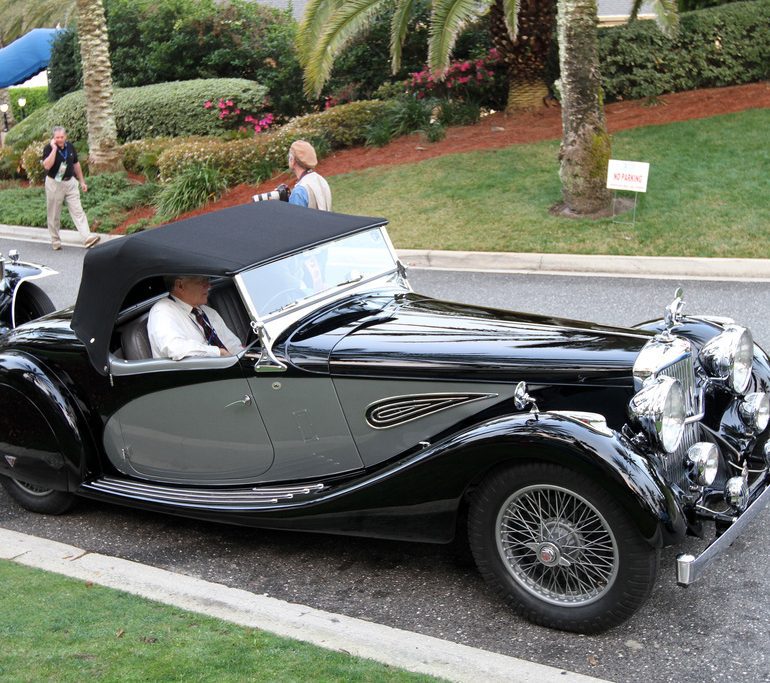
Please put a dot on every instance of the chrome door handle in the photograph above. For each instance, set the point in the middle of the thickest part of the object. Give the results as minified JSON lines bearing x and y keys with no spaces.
{"x":246,"y":401}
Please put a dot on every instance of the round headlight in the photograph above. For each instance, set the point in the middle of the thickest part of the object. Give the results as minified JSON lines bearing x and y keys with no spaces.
{"x":705,"y":459}
{"x":729,"y":356}
{"x":755,"y":411}
{"x":659,"y":409}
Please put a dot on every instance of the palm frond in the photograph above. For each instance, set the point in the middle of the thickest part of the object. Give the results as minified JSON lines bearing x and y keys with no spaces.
{"x":447,"y":19}
{"x":666,"y":14}
{"x":350,"y":18}
{"x":398,"y":28}
{"x":511,"y":13}
{"x":314,"y":19}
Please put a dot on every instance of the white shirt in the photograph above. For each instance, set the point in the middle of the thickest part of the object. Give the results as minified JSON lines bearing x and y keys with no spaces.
{"x":175,"y":334}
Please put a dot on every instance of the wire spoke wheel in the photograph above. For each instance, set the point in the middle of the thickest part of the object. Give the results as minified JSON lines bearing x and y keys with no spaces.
{"x":557,"y":545}
{"x":31,"y":489}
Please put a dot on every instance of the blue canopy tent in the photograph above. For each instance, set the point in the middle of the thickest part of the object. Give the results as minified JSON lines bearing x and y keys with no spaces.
{"x":26,"y":56}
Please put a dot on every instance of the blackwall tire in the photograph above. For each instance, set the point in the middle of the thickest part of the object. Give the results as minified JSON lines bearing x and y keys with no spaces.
{"x":31,"y":303}
{"x":557,"y":546}
{"x":37,"y":499}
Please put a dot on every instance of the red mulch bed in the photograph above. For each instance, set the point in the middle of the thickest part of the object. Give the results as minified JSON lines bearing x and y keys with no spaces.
{"x":499,"y":130}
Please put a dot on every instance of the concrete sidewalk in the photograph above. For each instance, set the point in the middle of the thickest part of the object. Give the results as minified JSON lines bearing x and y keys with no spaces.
{"x":391,"y":646}
{"x":659,"y":267}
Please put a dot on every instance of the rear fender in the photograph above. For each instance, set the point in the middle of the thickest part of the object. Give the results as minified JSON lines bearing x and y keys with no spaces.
{"x":40,"y":435}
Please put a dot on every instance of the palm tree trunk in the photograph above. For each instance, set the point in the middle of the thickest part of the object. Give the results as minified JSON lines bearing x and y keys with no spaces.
{"x":5,"y":98}
{"x":525,"y":94}
{"x":585,"y":146}
{"x":104,"y":153}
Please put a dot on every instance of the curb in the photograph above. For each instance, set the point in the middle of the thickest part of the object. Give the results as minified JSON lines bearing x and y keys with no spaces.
{"x":391,"y":646}
{"x":71,"y":238}
{"x":657,"y":267}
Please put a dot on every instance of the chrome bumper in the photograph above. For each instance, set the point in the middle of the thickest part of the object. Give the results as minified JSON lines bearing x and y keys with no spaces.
{"x":689,"y":568}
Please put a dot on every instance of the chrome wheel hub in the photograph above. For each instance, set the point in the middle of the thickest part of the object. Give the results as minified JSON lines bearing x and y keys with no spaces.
{"x":556,"y":545}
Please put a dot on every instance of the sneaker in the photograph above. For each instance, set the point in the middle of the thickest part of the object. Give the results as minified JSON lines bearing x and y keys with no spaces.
{"x":91,"y":241}
{"x":55,"y":246}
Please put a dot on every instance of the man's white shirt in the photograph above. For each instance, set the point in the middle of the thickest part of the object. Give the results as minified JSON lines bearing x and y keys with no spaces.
{"x":175,"y":334}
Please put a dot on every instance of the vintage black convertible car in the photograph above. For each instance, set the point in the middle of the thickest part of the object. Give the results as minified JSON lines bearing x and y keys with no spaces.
{"x":569,"y":452}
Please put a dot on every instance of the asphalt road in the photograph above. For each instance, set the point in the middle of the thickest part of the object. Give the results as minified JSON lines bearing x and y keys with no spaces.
{"x":716,"y":630}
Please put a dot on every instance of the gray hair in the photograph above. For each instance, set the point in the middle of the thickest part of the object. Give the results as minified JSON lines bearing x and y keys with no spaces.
{"x":59,"y":129}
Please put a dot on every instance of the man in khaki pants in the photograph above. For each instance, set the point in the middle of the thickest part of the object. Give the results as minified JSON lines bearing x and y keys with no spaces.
{"x":63,"y":173}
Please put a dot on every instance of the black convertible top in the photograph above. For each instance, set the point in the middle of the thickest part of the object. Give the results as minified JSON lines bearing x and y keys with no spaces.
{"x":219,"y":243}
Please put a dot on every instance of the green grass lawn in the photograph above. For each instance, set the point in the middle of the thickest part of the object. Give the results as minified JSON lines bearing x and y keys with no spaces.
{"x":707,"y":196}
{"x":54,"y":628}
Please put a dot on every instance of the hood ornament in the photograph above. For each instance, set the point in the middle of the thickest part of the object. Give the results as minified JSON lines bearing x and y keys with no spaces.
{"x":673,"y":315}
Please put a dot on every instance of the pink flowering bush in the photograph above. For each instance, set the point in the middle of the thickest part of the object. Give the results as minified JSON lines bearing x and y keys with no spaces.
{"x":477,"y":80}
{"x":227,"y":111}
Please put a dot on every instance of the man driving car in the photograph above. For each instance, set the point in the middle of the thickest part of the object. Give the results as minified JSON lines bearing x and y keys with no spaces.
{"x":181,"y":325}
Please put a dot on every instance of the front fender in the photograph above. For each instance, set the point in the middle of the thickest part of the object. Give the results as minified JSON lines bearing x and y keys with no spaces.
{"x":13,"y":277}
{"x":40,"y":429}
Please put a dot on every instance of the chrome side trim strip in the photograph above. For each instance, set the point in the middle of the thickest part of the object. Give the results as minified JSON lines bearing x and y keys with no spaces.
{"x":690,"y":568}
{"x":221,"y":499}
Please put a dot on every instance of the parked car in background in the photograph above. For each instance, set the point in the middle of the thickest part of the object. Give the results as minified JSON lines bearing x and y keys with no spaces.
{"x":569,"y":452}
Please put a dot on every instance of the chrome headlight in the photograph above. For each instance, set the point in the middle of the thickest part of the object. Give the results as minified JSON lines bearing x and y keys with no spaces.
{"x":705,"y":459}
{"x":729,"y":356}
{"x":754,"y":410}
{"x":659,"y":409}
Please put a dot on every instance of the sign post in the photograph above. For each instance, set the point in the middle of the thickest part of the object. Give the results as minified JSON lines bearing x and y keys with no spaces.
{"x":626,"y":176}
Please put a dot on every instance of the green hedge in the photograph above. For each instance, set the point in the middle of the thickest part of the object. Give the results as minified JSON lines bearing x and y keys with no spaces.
{"x":163,"y":109}
{"x":34,"y":127}
{"x":719,"y":46}
{"x":252,"y":160}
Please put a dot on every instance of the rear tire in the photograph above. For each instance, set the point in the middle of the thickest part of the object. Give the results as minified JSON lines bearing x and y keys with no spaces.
{"x":560,"y":548}
{"x":38,"y":499}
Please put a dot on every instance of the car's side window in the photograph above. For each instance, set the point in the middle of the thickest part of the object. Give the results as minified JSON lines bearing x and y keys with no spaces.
{"x":131,"y":342}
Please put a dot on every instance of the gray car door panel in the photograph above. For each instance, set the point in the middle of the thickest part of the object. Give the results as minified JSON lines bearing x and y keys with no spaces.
{"x":205,"y":434}
{"x":306,"y":424}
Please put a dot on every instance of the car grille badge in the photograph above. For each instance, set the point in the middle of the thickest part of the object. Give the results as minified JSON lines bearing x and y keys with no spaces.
{"x":11,"y":460}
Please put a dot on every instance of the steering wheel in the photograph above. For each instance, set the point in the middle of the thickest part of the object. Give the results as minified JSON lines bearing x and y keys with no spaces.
{"x":290,"y":294}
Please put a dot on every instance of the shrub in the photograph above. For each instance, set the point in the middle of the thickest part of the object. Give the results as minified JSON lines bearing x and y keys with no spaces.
{"x":193,"y":187}
{"x":31,"y":162}
{"x":162,"y":109}
{"x":141,"y":156}
{"x":36,"y":97}
{"x":254,"y":159}
{"x":9,"y":163}
{"x":714,"y":47}
{"x":481,"y":80}
{"x":401,"y":116}
{"x":458,"y":113}
{"x":34,"y":127}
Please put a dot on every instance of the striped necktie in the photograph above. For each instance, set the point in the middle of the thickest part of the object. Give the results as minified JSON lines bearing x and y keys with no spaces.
{"x":208,"y":331}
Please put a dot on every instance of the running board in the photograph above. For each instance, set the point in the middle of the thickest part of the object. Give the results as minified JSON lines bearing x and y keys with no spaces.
{"x":204,"y":498}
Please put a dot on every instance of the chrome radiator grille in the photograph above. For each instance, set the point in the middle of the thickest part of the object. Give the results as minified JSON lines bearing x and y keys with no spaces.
{"x":675,"y":463}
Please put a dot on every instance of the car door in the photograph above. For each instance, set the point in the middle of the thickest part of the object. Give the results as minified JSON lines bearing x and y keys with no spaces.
{"x":192,"y":422}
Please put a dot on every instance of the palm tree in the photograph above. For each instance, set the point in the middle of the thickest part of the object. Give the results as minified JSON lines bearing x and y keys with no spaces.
{"x":104,"y":154}
{"x":525,"y":57}
{"x":328,"y":25}
{"x":103,"y":151}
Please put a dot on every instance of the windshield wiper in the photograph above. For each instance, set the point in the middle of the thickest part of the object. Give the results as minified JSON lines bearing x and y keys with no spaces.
{"x":351,"y":280}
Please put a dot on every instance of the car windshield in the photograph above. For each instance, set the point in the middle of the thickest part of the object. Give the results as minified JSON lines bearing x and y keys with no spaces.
{"x":327,"y":268}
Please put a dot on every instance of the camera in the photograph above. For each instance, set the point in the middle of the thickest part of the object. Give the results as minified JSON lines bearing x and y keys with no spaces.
{"x":281,"y":193}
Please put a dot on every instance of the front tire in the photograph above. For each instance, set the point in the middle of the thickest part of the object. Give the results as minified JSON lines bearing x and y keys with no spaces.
{"x":561,"y":550}
{"x":37,"y":499}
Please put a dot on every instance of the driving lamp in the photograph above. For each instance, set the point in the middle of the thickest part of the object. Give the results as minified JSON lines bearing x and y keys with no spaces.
{"x":659,"y":409}
{"x":705,"y":459}
{"x":728,"y":357}
{"x":755,"y":411}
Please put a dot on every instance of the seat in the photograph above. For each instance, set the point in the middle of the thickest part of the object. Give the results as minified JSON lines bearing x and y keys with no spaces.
{"x":227,"y":302}
{"x":135,"y":340}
